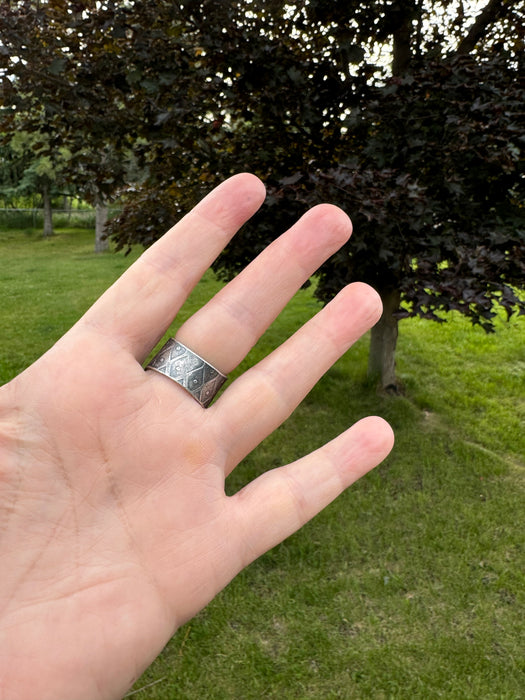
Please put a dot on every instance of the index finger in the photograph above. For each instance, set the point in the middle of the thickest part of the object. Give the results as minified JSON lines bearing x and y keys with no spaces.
{"x":140,"y":306}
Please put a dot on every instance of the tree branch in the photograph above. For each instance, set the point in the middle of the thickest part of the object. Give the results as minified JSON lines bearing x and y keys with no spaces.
{"x":492,"y":11}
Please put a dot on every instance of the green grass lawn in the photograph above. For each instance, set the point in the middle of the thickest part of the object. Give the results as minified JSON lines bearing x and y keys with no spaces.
{"x":411,"y":585}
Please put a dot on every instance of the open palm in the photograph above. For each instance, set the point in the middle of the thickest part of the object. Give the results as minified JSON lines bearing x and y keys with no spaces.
{"x":114,"y":524}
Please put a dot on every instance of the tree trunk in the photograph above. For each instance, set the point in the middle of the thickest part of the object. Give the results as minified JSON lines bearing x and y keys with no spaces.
{"x":383,"y":339}
{"x":401,"y":53}
{"x":101,"y":217}
{"x":48,"y":212}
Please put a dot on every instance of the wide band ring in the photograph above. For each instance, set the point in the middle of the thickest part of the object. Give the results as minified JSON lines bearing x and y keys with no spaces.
{"x":188,"y":369}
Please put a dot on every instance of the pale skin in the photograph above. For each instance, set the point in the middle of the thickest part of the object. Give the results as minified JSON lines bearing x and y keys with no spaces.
{"x":115,"y":528}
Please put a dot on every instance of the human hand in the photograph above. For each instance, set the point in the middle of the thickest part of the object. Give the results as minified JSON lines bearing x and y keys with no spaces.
{"x":114,"y":525}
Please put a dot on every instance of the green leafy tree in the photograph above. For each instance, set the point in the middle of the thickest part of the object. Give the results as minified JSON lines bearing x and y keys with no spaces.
{"x":28,"y":169}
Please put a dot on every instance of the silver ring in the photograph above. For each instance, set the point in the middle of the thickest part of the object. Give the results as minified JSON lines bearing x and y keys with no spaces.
{"x":188,"y":369}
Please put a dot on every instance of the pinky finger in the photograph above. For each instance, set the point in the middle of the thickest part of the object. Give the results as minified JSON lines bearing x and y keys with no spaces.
{"x":279,"y":502}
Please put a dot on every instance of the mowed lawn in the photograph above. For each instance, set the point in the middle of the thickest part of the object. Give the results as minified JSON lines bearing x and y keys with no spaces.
{"x":412,"y":584}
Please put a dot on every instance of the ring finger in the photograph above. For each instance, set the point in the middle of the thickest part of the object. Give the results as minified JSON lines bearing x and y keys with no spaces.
{"x":264,"y":396}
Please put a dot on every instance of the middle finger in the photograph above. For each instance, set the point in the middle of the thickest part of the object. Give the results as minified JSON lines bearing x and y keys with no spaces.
{"x":227,"y":327}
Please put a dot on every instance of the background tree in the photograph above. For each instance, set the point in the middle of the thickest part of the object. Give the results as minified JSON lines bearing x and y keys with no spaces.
{"x":406,"y":115}
{"x":60,"y":76}
{"x":423,"y":151}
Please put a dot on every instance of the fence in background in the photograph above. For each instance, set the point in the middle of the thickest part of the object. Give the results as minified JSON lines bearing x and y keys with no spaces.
{"x":62,"y":218}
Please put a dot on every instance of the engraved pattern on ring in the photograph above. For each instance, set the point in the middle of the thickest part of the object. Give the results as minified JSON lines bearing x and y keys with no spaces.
{"x":189,"y":370}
